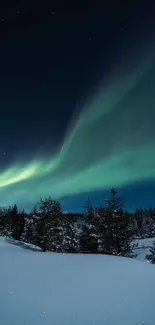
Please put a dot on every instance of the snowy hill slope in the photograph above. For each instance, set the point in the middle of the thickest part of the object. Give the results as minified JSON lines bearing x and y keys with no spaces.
{"x":22,"y":244}
{"x":64,"y":289}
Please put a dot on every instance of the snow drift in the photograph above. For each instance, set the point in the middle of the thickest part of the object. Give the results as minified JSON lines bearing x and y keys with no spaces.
{"x":39,"y":288}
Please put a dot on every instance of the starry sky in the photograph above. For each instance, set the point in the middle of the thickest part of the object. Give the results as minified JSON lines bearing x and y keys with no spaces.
{"x":77,"y":102}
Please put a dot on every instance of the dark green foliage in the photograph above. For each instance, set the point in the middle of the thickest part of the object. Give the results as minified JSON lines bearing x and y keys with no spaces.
{"x":103,"y":230}
{"x":70,"y":238}
{"x":17,"y":222}
{"x":139,"y":218}
{"x":5,"y":221}
{"x":89,"y":232}
{"x":144,"y":223}
{"x":50,"y":232}
{"x":31,"y":229}
{"x":117,"y":234}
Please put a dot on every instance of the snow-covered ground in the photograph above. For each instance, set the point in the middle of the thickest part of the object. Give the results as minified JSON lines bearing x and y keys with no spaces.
{"x":22,"y":244}
{"x":65,"y":289}
{"x":141,"y":247}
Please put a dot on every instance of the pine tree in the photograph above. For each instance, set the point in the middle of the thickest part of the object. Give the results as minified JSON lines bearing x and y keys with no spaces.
{"x":50,"y":232}
{"x":89,"y":236}
{"x":17,"y":222}
{"x":30,"y":232}
{"x":70,"y":239}
{"x":140,"y":223}
{"x":117,"y":234}
{"x":22,"y":222}
{"x":101,"y":223}
{"x":149,"y":222}
{"x":72,"y":229}
{"x":144,"y":222}
{"x":5,"y":222}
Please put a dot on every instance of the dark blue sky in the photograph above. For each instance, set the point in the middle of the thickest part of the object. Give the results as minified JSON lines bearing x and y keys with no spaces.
{"x":51,"y":58}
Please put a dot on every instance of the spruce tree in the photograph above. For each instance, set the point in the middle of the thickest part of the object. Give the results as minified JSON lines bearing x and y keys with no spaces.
{"x":17,"y":222}
{"x":70,"y":238}
{"x":5,"y":222}
{"x":89,"y":231}
{"x":140,"y":223}
{"x":50,"y":232}
{"x":144,"y":222}
{"x":30,"y":232}
{"x":101,"y":223}
{"x":117,"y":235}
{"x":149,"y":222}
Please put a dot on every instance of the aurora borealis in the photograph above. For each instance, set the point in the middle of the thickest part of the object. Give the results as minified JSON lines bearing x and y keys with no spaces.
{"x":110,"y":142}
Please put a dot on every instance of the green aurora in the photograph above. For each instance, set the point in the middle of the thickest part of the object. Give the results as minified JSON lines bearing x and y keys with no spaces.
{"x":112,"y":143}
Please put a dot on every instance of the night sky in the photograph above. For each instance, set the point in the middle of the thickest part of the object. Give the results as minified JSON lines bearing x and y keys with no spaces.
{"x":77,"y":102}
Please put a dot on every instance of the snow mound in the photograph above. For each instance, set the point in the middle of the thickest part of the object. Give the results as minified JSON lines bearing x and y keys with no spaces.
{"x":74,"y":289}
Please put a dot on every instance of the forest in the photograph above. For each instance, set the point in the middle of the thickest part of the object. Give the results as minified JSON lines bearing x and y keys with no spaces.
{"x":108,"y":229}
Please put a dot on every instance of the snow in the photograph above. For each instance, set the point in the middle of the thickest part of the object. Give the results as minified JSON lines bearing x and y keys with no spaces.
{"x":39,"y":288}
{"x":22,"y":244}
{"x":141,"y":247}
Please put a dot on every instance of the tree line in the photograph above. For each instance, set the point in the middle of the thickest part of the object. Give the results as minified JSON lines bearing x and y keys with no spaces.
{"x":108,"y":229}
